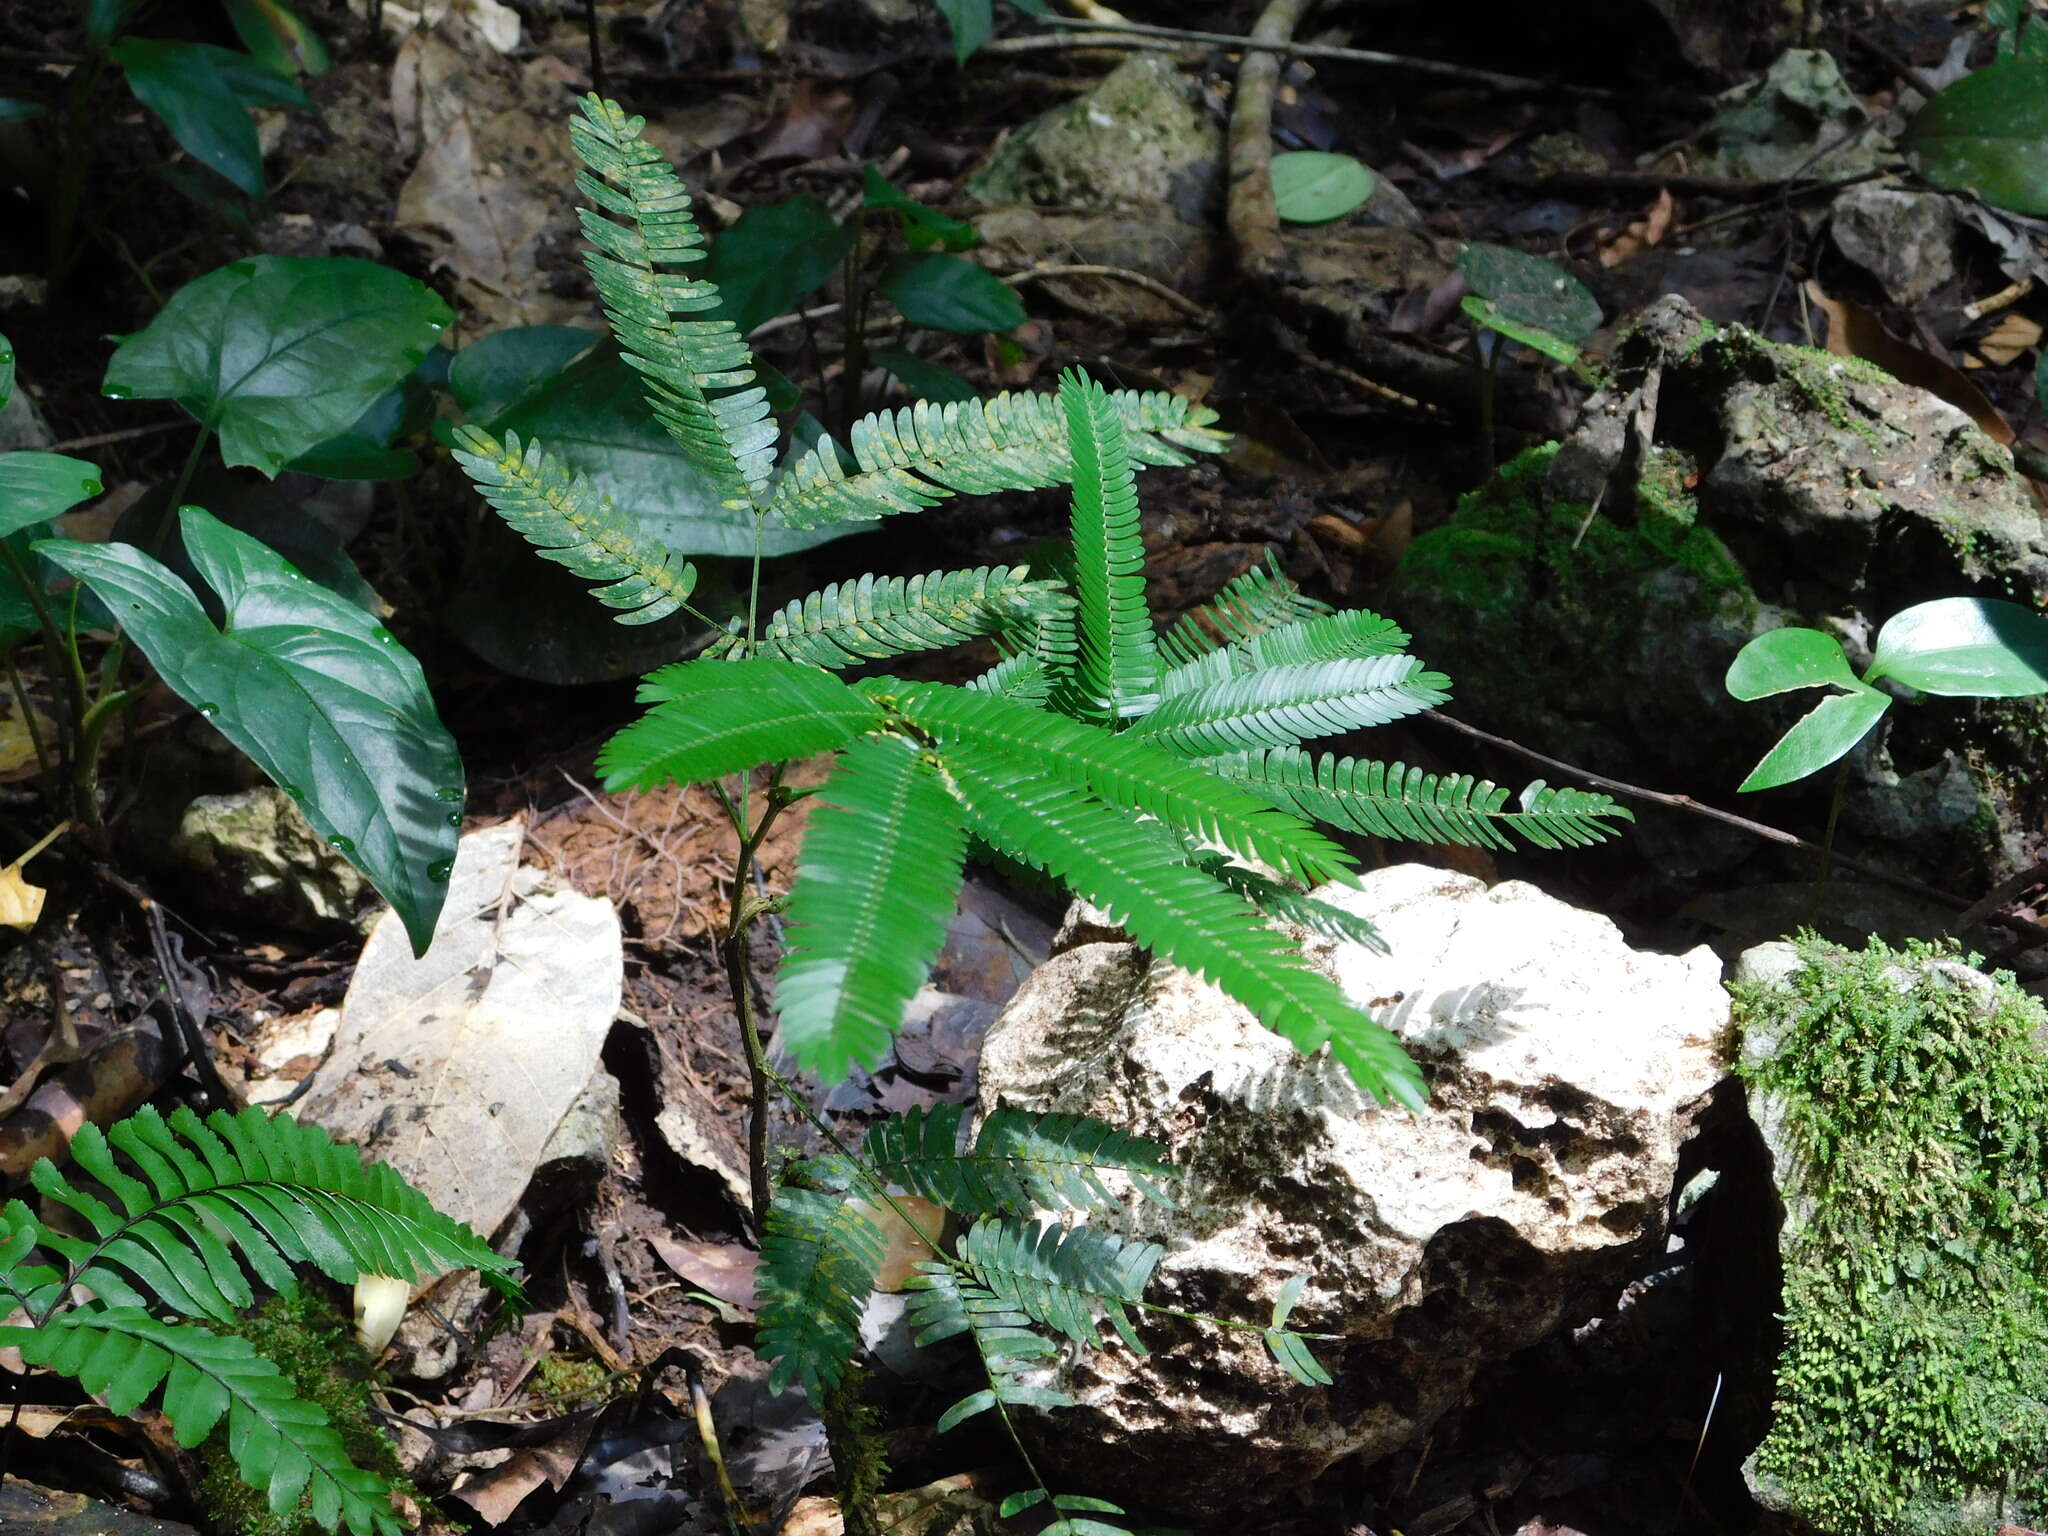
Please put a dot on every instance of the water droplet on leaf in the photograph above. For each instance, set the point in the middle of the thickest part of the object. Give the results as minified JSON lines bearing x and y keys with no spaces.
{"x":441,"y":869}
{"x":115,"y":392}
{"x":91,"y":487}
{"x":455,"y":818}
{"x":293,"y":792}
{"x":209,"y":710}
{"x":448,"y":793}
{"x":341,"y":844}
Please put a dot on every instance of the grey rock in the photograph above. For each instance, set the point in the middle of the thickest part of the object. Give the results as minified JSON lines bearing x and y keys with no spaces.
{"x":1798,"y":119}
{"x":1564,"y":1071}
{"x":1905,"y":239}
{"x":264,"y":859}
{"x":1137,"y":141}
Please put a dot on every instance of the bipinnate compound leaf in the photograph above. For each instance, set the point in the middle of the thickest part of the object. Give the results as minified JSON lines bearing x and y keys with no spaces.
{"x":711,"y":718}
{"x":282,"y":1444}
{"x":319,"y":695}
{"x":874,"y":889}
{"x":1973,"y":647}
{"x":1117,"y":671}
{"x":1071,"y":1279}
{"x":1174,"y":910}
{"x":1019,"y":1163}
{"x":1988,"y":133}
{"x":277,"y":354}
{"x":819,"y":1257}
{"x":1280,"y":706}
{"x":36,"y":486}
{"x":1313,"y":186}
{"x":1823,"y":735}
{"x":1258,"y":602}
{"x":874,"y":618}
{"x":1788,"y":659}
{"x":1530,"y":291}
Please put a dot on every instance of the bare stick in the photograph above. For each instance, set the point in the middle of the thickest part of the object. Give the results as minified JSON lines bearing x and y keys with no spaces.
{"x":1253,"y":218}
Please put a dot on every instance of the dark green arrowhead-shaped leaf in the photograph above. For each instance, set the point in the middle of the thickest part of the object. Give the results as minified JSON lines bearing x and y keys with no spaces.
{"x":279,"y":36}
{"x":6,"y":371}
{"x":494,"y":373}
{"x":37,"y":486}
{"x":203,"y":94}
{"x":923,"y":225}
{"x":1972,"y":647}
{"x":1988,"y":134}
{"x":1486,"y":313}
{"x":951,"y":293}
{"x":970,"y":22}
{"x":280,"y":353}
{"x":774,"y":255}
{"x":312,"y":689}
{"x":1530,"y":290}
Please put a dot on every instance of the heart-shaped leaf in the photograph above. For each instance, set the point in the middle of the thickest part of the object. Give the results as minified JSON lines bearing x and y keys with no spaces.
{"x":280,"y":353}
{"x":951,"y":293}
{"x":1786,"y":659}
{"x":1988,"y":134}
{"x":1530,"y":291}
{"x":321,"y":697}
{"x":35,"y":487}
{"x":1312,"y":186}
{"x":1974,"y":647}
{"x":1821,"y":736}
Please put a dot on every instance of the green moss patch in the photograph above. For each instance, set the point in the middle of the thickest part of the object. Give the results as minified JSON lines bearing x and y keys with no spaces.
{"x":1912,"y":1392}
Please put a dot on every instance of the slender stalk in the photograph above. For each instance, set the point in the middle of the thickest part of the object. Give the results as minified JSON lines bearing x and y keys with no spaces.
{"x":28,"y":716}
{"x":55,"y":650}
{"x":91,"y":736}
{"x":178,"y":488}
{"x":855,"y":359}
{"x":734,"y":946}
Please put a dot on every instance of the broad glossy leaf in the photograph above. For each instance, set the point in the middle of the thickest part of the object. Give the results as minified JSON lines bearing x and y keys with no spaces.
{"x":203,"y":95}
{"x":1974,"y":647}
{"x":594,"y":417}
{"x":497,"y":372}
{"x":35,"y":487}
{"x":970,"y":22}
{"x":104,"y":19}
{"x":1827,"y":731}
{"x":925,"y":381}
{"x":6,"y":371}
{"x":774,"y":255}
{"x":1486,"y":313}
{"x":18,"y":621}
{"x":1312,"y":186}
{"x":1988,"y":134}
{"x":1786,"y":659}
{"x":1530,"y":290}
{"x":280,"y":353}
{"x":951,"y":293}
{"x":323,"y":700}
{"x":923,"y":225}
{"x":367,"y":450}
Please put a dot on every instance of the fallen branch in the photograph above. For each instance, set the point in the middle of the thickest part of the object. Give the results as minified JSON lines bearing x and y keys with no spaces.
{"x":1254,"y":220}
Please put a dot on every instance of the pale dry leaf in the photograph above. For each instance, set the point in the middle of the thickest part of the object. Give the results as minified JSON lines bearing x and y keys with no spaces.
{"x":2014,"y":334}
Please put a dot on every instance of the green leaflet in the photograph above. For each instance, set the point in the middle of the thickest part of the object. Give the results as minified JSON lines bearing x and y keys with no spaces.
{"x":1395,"y":801}
{"x":1072,"y":1279}
{"x":1260,"y":600}
{"x":874,"y":618}
{"x":711,"y":718}
{"x":1121,"y":770}
{"x":1175,"y":911}
{"x":874,"y":888}
{"x":1019,"y":1163}
{"x":319,"y":696}
{"x":819,"y":1256}
{"x":1117,"y":675}
{"x":1279,"y":706}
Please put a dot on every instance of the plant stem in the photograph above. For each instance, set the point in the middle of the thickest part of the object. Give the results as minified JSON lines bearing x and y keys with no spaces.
{"x":741,"y":910}
{"x":1487,"y":385}
{"x":178,"y":488}
{"x":855,"y":359}
{"x":54,"y":650}
{"x":28,"y":716}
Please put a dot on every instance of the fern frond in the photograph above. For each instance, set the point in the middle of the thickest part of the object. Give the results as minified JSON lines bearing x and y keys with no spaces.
{"x":917,"y":456}
{"x":559,"y":514}
{"x":1174,"y":910}
{"x":819,"y":1257}
{"x":1118,"y":671}
{"x":1019,"y":1163}
{"x":874,"y":889}
{"x":711,"y":718}
{"x":873,"y":618}
{"x":640,"y":225}
{"x":281,"y":1443}
{"x":944,"y":1304}
{"x":1289,"y":905}
{"x":1121,"y":770}
{"x":1284,"y":705}
{"x":1394,"y":801}
{"x":1327,"y":637}
{"x":233,"y":1190}
{"x":1071,"y":1279}
{"x":1022,"y":679}
{"x":1262,"y":599}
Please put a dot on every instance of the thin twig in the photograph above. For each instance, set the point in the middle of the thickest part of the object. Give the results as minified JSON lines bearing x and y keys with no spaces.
{"x":1102,"y":34}
{"x":1253,"y":218}
{"x":1180,"y":301}
{"x":101,"y":439}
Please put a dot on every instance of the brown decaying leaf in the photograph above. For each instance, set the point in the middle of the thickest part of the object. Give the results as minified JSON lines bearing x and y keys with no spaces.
{"x":1854,"y":331}
{"x":724,"y":1270}
{"x":21,"y":904}
{"x":1645,"y":232}
{"x":2014,"y":334}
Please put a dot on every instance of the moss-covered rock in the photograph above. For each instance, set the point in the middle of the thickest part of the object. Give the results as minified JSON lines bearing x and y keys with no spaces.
{"x":1904,"y":1097}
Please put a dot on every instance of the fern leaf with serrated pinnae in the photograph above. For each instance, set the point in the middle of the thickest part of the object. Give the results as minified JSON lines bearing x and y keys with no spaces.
{"x":1022,"y":679}
{"x":231,"y":1191}
{"x":711,"y":718}
{"x":1116,"y":674}
{"x":1174,"y":910}
{"x":917,"y":456}
{"x":945,"y":1304}
{"x":875,"y":886}
{"x":573,"y":525}
{"x":640,"y":225}
{"x":1395,"y":801}
{"x":819,"y":1257}
{"x":1019,"y":1163}
{"x":1121,"y":770}
{"x":1262,"y":599}
{"x":1281,"y":706}
{"x":1326,"y":637}
{"x":874,"y":618}
{"x":1289,"y":905}
{"x":1071,"y":1279}
{"x":281,"y":1443}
